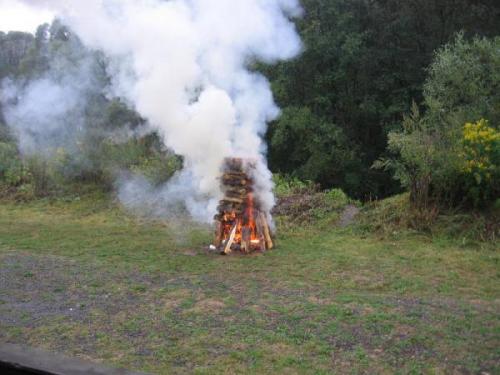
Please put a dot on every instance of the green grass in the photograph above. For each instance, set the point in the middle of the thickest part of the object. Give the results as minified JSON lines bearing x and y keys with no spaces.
{"x":86,"y":279}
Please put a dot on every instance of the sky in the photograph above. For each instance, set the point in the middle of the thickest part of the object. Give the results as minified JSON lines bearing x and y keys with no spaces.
{"x":19,"y":17}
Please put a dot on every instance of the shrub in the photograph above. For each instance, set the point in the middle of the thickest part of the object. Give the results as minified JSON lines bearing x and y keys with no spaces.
{"x":422,"y":163}
{"x":8,"y":158}
{"x":481,"y":157}
{"x":13,"y":172}
{"x":392,"y":216}
{"x":157,"y":168}
{"x":285,"y":185}
{"x":463,"y":83}
{"x":337,"y":198}
{"x":439,"y":161}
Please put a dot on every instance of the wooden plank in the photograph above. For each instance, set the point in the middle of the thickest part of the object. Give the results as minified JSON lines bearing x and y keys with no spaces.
{"x":260,"y":233}
{"x":232,"y":200}
{"x":236,"y":190}
{"x":267,"y":233}
{"x":234,"y":182}
{"x":234,"y":174}
{"x":231,"y":194}
{"x":218,"y":234}
{"x":237,"y":181}
{"x":229,"y":206}
{"x":230,"y":240}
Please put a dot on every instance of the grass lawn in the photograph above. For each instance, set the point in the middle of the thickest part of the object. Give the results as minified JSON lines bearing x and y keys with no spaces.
{"x":86,"y":279}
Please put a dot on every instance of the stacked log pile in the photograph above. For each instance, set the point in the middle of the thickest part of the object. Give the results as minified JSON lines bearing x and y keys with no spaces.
{"x":240,"y":225}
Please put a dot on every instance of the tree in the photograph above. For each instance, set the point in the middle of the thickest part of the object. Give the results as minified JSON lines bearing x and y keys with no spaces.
{"x":363,"y":64}
{"x":451,"y":155}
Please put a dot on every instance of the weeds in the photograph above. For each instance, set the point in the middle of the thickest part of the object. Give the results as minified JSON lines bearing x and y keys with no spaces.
{"x":397,"y":214}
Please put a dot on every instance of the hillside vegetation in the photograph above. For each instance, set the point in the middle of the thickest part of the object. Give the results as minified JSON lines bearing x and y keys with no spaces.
{"x":347,"y":119}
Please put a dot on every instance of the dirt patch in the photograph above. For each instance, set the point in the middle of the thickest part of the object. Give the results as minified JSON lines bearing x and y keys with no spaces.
{"x":175,"y":299}
{"x":208,"y":305}
{"x":35,"y":288}
{"x":319,"y":301}
{"x":190,"y":253}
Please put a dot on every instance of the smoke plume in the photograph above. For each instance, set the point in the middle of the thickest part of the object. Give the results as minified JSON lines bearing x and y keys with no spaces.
{"x":49,"y":112}
{"x":184,"y":65}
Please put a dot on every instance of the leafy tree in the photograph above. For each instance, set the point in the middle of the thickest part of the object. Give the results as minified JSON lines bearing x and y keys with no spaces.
{"x":324,"y":157}
{"x":438,"y":151}
{"x":363,"y":64}
{"x":98,"y":139}
{"x":464,"y":83}
{"x":13,"y":48}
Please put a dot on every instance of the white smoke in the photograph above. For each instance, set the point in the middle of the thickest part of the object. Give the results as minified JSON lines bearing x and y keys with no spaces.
{"x":48,"y":112}
{"x":184,"y":66}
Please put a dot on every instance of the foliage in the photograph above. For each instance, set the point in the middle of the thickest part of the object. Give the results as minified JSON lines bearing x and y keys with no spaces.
{"x":337,"y":198}
{"x":286,"y":185}
{"x":304,"y":202}
{"x":28,"y":177}
{"x":423,"y":166}
{"x":433,"y":159}
{"x":462,"y":83}
{"x":481,"y":153}
{"x":393,"y":216}
{"x":107,"y":137}
{"x":363,"y":63}
{"x":9,"y":162}
{"x":17,"y":176}
{"x":13,"y":48}
{"x":313,"y":149}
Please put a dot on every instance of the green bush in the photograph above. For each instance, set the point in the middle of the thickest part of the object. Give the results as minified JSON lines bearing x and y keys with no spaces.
{"x":285,"y":185}
{"x":337,"y":198}
{"x":95,"y":164}
{"x":430,"y":152}
{"x":481,"y":162}
{"x":13,"y":172}
{"x":158,"y":168}
{"x":9,"y":161}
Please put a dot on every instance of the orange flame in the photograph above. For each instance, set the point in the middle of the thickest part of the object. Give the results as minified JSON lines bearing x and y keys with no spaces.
{"x":244,"y":222}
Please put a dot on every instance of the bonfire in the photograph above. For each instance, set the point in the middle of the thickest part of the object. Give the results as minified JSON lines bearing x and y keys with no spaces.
{"x":240,"y":223}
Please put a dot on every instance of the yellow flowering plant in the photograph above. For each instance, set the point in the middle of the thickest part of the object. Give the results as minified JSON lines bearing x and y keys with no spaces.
{"x":481,"y":158}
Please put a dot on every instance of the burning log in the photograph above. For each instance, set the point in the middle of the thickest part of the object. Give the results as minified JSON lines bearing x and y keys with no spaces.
{"x":228,"y":206}
{"x":218,"y":233}
{"x":240,"y":224}
{"x":235,"y":179}
{"x":246,"y":234}
{"x":232,"y":200}
{"x":237,"y":191}
{"x":229,"y":243}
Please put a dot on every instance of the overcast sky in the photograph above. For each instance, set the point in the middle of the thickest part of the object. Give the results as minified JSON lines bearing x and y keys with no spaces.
{"x":19,"y":17}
